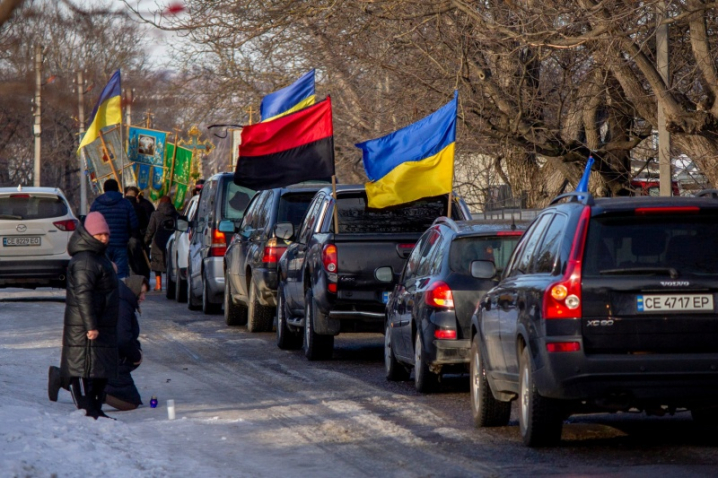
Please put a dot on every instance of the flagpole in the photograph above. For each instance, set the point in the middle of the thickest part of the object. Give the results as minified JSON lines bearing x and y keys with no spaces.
{"x":174,"y":156}
{"x":109,"y":157}
{"x":336,"y":204}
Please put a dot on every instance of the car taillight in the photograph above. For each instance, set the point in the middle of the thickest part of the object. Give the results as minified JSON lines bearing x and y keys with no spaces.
{"x":644,"y":211}
{"x":218,"y":246}
{"x":67,"y":225}
{"x":439,"y":295}
{"x":563,"y":346}
{"x":331,"y":265}
{"x":272,"y":252}
{"x":562,"y":300}
{"x":445,"y":334}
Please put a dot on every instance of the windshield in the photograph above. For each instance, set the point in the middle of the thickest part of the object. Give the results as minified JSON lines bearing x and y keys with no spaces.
{"x":657,"y":244}
{"x":24,"y":206}
{"x":236,"y":199}
{"x":293,"y":206}
{"x":355,"y":217}
{"x":468,"y":249}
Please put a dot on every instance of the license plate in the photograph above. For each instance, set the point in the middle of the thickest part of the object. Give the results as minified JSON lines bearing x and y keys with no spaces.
{"x":675,"y":303}
{"x":21,"y":241}
{"x":385,"y":297}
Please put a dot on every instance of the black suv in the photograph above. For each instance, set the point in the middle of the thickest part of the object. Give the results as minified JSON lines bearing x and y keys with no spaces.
{"x":428,"y":317}
{"x":606,"y":305}
{"x":250,"y":270}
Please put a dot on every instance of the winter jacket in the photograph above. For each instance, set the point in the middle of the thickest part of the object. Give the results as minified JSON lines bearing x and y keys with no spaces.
{"x":120,"y":216}
{"x":128,"y":332}
{"x":92,"y":303}
{"x":157,"y":235}
{"x":143,"y":219}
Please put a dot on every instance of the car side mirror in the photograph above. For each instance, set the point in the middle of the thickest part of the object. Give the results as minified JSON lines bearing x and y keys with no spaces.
{"x":168,"y":224}
{"x":384,"y":274}
{"x":181,"y":224}
{"x":483,"y":269}
{"x":284,"y":230}
{"x":226,"y":225}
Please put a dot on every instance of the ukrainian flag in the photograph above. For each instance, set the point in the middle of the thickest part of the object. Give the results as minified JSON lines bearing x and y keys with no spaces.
{"x":414,"y":162}
{"x":294,"y":97}
{"x":108,"y":111}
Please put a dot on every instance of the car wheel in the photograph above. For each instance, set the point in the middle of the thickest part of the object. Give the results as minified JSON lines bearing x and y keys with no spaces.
{"x":180,"y":288}
{"x":207,"y":306}
{"x":193,"y":303}
{"x":540,"y":418}
{"x":286,"y":339}
{"x":487,"y":411}
{"x":259,"y":317}
{"x":171,"y":284}
{"x":316,"y":347}
{"x":425,"y":380}
{"x":234,"y":314}
{"x":395,"y":372}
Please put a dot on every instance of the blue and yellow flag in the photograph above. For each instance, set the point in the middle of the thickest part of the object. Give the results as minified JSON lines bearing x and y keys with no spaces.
{"x":294,"y":97}
{"x":414,"y":162}
{"x":108,"y":110}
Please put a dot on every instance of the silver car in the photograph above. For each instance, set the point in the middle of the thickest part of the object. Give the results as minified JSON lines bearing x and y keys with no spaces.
{"x":35,"y":226}
{"x":177,"y":256}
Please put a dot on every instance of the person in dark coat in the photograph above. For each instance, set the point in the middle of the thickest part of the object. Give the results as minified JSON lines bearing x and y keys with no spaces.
{"x":158,"y":236}
{"x":143,"y":217}
{"x":120,"y":215}
{"x":121,"y":392}
{"x":89,"y":337}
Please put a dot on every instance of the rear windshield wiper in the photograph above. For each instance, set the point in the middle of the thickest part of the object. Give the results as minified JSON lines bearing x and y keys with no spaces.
{"x":9,"y":216}
{"x":641,"y":270}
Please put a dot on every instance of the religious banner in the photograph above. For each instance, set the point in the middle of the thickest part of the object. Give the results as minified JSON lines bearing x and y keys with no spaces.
{"x":102,"y":167}
{"x":178,"y":176}
{"x":147,"y":153}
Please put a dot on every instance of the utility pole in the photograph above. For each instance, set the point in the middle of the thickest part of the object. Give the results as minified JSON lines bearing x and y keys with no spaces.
{"x":664,"y":137}
{"x":83,"y":161}
{"x":37,"y":127}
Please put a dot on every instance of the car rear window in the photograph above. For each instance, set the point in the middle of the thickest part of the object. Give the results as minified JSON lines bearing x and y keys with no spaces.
{"x":356,"y":218}
{"x":293,"y":207}
{"x":25,"y":206}
{"x":618,"y":245}
{"x":236,"y":199}
{"x":465,"y":250}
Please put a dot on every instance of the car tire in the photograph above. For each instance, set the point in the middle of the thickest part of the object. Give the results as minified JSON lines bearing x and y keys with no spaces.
{"x":193,"y":303}
{"x":208,"y":307}
{"x":316,"y":347}
{"x":540,"y":418}
{"x":286,"y":339}
{"x":425,"y":380}
{"x":395,"y":372}
{"x":171,"y":284}
{"x":259,"y":317}
{"x":180,"y":288}
{"x":487,"y":411}
{"x":234,"y":314}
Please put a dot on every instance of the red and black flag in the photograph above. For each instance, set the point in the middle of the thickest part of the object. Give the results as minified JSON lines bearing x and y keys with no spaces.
{"x":288,"y":150}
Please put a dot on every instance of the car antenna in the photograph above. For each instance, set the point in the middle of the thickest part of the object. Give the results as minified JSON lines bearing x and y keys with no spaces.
{"x":513,"y":223}
{"x":19,"y":187}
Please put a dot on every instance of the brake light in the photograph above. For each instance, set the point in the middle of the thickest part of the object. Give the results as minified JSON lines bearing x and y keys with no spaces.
{"x":643,"y":211}
{"x":563,"y":346}
{"x":562,"y":300}
{"x":272,"y":252}
{"x":445,"y":334}
{"x":21,"y":196}
{"x":406,"y":246}
{"x":66,"y":226}
{"x":510,"y":233}
{"x":329,"y":258}
{"x":439,"y":295}
{"x":218,"y":246}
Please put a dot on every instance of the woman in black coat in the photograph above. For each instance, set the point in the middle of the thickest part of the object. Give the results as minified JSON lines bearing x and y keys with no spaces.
{"x":121,"y":392}
{"x":157,"y":236}
{"x":89,"y":338}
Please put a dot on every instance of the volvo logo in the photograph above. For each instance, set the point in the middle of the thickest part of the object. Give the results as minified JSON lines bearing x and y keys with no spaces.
{"x":675,"y":283}
{"x":21,"y":228}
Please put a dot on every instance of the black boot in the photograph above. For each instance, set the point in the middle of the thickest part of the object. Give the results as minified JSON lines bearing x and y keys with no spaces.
{"x":54,"y":383}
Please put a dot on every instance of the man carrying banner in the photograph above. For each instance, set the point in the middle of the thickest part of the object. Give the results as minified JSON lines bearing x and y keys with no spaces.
{"x":121,"y":217}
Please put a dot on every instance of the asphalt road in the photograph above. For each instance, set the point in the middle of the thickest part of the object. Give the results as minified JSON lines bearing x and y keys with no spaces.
{"x":342,"y":418}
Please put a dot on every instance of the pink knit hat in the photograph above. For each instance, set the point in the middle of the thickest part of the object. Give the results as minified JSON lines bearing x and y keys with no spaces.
{"x":95,"y":224}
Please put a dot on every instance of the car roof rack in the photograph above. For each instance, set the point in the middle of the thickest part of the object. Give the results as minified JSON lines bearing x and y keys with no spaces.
{"x":575,"y":196}
{"x":711,"y":193}
{"x":447,"y":221}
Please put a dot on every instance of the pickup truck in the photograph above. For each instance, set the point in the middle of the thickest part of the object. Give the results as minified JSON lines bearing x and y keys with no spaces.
{"x":333,"y":282}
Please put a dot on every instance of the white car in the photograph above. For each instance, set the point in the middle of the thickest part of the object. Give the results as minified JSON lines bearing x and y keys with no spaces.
{"x":177,"y":256}
{"x":35,"y":226}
